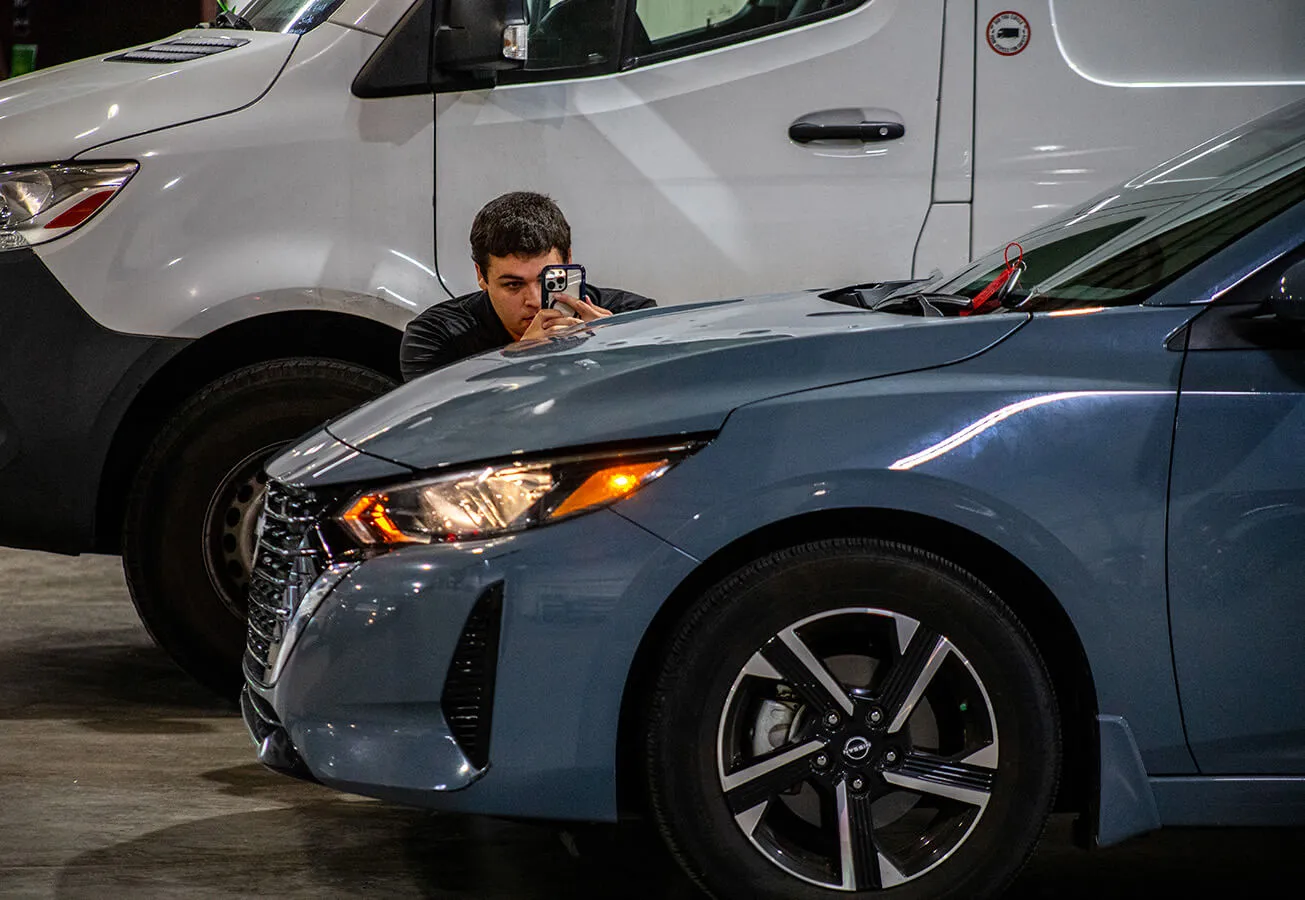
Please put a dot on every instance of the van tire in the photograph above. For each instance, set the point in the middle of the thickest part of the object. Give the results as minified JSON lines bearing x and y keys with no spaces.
{"x":177,"y":540}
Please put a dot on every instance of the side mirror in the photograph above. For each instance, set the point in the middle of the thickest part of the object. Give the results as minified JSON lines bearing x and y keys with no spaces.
{"x":1288,"y":300}
{"x":479,"y":35}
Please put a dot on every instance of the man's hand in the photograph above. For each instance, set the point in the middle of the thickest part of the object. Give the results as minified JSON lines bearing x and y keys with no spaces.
{"x":587,"y":311}
{"x":549,"y":320}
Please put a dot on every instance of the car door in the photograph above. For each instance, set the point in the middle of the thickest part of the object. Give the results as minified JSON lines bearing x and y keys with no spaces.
{"x":668,"y":138}
{"x":1237,"y":536}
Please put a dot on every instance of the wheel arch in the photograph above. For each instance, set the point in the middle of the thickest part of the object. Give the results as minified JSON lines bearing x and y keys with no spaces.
{"x":1019,"y":587}
{"x":279,"y":335}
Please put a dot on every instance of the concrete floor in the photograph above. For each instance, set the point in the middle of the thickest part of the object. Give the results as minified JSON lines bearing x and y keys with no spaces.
{"x":119,"y":777}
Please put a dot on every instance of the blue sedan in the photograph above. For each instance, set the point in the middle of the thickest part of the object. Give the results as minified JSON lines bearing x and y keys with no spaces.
{"x":846,"y":591}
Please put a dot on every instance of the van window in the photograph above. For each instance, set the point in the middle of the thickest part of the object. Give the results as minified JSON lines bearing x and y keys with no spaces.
{"x":669,"y":25}
{"x":571,"y":33}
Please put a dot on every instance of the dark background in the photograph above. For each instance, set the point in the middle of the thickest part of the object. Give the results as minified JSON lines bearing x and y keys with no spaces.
{"x":64,"y":30}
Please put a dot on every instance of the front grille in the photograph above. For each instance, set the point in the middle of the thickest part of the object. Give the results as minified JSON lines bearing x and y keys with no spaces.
{"x":290,"y":557}
{"x":468,"y":698}
{"x":180,"y":50}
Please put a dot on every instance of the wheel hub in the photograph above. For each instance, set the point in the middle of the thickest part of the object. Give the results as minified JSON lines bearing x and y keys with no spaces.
{"x":230,"y":529}
{"x":857,"y":749}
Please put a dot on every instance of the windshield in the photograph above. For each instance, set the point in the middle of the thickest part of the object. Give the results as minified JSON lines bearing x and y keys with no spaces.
{"x":285,"y":16}
{"x":1126,"y":243}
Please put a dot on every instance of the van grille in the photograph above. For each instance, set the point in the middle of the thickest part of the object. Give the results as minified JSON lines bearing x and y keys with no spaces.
{"x":290,"y":557}
{"x":180,"y":50}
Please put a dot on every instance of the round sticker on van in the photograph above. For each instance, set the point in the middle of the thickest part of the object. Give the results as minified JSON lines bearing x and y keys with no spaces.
{"x":1008,"y":33}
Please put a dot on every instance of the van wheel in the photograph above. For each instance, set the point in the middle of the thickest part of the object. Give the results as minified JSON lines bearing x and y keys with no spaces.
{"x":852,"y":717}
{"x":188,"y":533}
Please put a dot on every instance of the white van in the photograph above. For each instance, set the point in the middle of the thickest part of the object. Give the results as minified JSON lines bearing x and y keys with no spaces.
{"x":210,"y":244}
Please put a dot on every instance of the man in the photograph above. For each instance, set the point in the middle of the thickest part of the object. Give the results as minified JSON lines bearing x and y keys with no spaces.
{"x":512,"y":239}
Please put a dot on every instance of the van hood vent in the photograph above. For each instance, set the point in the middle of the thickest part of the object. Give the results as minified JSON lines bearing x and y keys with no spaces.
{"x":179,"y":50}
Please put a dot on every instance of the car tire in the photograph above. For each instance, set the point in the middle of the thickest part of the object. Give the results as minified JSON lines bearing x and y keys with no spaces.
{"x":188,"y":527}
{"x":932,"y":777}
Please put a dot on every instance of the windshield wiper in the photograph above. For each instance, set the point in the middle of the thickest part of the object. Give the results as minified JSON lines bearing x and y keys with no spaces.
{"x":229,"y":18}
{"x":867,"y":295}
{"x":923,"y":303}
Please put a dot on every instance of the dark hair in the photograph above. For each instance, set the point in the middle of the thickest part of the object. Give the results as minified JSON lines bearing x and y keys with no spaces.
{"x":518,"y":224}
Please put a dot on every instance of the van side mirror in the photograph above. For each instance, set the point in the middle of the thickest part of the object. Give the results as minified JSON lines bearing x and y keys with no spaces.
{"x":1288,"y":300}
{"x":478,"y":35}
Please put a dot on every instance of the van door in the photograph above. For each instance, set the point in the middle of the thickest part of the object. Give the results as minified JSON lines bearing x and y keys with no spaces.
{"x":707,"y":147}
{"x":1073,"y":96}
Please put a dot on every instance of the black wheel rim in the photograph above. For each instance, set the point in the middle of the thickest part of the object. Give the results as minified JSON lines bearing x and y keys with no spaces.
{"x":857,"y":749}
{"x":230,"y":529}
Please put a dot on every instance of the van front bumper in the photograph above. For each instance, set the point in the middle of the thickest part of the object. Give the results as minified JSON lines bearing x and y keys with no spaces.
{"x":65,"y":384}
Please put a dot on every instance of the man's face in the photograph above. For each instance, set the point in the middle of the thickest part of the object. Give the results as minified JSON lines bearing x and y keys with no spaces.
{"x":513,"y":286}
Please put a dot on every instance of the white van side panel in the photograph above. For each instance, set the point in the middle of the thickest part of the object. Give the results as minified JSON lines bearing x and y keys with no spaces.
{"x":1047,"y":139}
{"x":679,"y":179}
{"x":953,"y":173}
{"x":309,"y":199}
{"x":1123,"y":43}
{"x":944,"y":244}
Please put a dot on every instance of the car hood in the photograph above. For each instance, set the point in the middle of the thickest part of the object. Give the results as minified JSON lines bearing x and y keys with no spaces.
{"x":650,"y":374}
{"x":54,"y":114}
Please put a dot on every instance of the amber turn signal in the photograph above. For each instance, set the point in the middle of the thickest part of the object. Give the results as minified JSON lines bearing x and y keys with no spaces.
{"x":369,"y":521}
{"x":609,"y":485}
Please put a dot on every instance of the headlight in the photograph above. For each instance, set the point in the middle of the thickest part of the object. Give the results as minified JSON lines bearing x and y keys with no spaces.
{"x":40,"y":203}
{"x":499,"y":499}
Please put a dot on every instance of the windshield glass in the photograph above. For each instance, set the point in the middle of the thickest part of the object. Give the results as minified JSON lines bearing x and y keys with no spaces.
{"x":1123,"y":245}
{"x":286,"y":16}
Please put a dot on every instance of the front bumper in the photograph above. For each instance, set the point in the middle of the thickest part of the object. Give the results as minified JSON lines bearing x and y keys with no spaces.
{"x":363,"y":694}
{"x":274,"y":748}
{"x":65,"y":384}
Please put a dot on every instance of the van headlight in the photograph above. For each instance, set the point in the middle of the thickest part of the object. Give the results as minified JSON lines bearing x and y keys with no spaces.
{"x":41,"y":203}
{"x":498,"y":499}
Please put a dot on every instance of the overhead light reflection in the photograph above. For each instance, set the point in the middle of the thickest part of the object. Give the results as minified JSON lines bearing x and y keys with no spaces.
{"x":973,"y":430}
{"x":1100,"y":206}
{"x":425,"y":268}
{"x":1086,"y":310}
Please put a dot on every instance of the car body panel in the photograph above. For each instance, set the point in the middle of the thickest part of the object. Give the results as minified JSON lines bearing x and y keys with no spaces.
{"x":1237,"y":558}
{"x":998,"y":445}
{"x":687,"y":367}
{"x":320,"y":460}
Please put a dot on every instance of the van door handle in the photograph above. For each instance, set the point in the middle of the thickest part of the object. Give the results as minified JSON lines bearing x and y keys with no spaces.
{"x":866,"y":132}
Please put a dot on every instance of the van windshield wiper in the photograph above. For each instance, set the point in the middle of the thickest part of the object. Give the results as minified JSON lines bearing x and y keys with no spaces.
{"x":229,"y":18}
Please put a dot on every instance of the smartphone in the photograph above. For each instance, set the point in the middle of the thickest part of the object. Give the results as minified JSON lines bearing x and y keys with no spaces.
{"x":568,"y":279}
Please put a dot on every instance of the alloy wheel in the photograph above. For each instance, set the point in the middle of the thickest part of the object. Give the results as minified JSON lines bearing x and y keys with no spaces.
{"x":857,"y":749}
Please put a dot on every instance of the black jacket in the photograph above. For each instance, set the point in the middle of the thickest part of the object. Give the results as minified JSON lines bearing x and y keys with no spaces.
{"x":467,"y":325}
